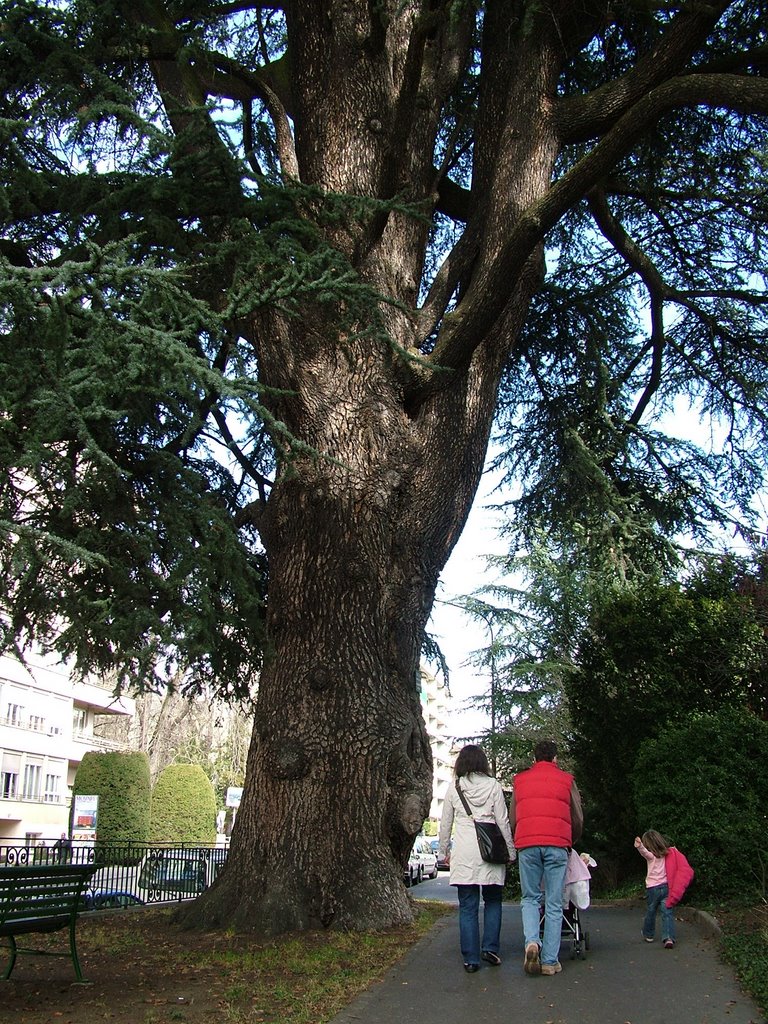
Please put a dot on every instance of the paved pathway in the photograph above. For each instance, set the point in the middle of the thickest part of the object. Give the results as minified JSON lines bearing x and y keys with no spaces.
{"x":622,"y":980}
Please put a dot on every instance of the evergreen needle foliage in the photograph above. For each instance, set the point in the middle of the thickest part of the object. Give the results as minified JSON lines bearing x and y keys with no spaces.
{"x":148,"y":225}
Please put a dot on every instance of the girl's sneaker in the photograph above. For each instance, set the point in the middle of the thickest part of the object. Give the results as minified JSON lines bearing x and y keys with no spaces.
{"x":669,"y":943}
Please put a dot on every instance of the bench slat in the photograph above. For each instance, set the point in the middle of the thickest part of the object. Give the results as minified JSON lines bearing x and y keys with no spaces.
{"x":42,"y":898}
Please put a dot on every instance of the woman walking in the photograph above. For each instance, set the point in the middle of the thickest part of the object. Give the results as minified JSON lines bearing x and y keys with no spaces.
{"x":469,"y":872}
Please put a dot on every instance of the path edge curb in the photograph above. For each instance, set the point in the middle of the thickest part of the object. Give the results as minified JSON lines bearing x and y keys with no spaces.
{"x":706,"y":922}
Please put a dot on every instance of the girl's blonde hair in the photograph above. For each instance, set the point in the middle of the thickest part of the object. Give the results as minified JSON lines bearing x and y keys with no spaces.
{"x":655,"y":842}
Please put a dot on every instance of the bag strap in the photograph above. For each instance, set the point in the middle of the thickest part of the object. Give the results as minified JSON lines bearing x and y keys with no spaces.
{"x":464,"y":800}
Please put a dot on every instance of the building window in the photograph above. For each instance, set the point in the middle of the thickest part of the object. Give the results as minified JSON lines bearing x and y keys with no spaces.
{"x":52,"y":788}
{"x":9,"y":785}
{"x":79,"y":721}
{"x":10,"y":764}
{"x":13,"y":714}
{"x":37,"y":722}
{"x":31,"y":785}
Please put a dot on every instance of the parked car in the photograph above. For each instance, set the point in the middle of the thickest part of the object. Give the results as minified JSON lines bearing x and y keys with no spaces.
{"x":110,"y":899}
{"x":176,"y":871}
{"x":444,"y":865}
{"x":427,"y":857}
{"x":412,"y":872}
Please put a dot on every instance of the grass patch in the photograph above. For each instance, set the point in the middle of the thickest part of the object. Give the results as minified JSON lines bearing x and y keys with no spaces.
{"x":628,"y":890}
{"x":309,"y":978}
{"x":745,"y":947}
{"x":143,"y":969}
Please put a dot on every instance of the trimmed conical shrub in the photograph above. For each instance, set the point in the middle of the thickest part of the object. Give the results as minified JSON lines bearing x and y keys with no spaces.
{"x":183,"y":806}
{"x":122,"y":782}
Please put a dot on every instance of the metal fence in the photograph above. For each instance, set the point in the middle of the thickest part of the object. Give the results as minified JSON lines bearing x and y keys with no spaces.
{"x":130,"y":874}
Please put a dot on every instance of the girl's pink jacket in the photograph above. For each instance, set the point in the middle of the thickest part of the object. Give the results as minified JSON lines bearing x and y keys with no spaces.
{"x":679,"y":875}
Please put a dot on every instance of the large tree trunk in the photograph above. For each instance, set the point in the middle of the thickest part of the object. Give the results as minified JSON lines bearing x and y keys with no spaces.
{"x":339,"y":775}
{"x":340,"y":771}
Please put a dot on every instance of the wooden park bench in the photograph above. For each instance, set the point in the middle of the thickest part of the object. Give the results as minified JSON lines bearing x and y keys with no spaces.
{"x":42,"y":898}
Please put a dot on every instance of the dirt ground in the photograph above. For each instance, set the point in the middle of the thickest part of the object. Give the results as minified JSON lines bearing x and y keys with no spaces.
{"x":140,"y":969}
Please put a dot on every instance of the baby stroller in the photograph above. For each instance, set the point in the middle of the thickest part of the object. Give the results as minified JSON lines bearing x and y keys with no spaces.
{"x":575,"y":899}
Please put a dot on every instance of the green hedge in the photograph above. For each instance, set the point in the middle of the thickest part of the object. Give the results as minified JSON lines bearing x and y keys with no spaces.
{"x":704,"y":785}
{"x":122,"y":782}
{"x":183,"y":806}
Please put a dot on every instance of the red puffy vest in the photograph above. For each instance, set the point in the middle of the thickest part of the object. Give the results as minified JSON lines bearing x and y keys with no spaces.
{"x":543,"y":806}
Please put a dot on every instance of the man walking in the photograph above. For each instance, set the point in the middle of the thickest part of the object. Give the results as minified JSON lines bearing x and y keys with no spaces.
{"x":62,"y":848}
{"x":546,"y":818}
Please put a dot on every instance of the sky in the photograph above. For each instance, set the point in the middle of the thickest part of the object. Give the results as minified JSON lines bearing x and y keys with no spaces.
{"x":457,"y":634}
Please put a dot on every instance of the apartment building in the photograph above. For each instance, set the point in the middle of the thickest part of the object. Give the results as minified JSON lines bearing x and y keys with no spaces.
{"x":48,"y":721}
{"x":435,"y":706}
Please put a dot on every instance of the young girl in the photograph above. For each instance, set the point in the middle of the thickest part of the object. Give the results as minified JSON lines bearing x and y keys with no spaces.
{"x":668,"y":876}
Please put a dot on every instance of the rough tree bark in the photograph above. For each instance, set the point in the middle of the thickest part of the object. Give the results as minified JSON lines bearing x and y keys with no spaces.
{"x":339,"y":772}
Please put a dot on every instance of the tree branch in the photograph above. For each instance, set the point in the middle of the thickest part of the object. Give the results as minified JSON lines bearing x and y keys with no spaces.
{"x":249,"y":142}
{"x":659,"y":291}
{"x":755,"y":59}
{"x":241,"y":84}
{"x":225,"y":10}
{"x":258,"y":478}
{"x":622,"y":243}
{"x":454,"y":267}
{"x":579,"y":118}
{"x":271,"y":89}
{"x":453,"y":200}
{"x":464,"y":329}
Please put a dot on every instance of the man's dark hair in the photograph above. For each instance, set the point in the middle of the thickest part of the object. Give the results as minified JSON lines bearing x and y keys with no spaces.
{"x":545,"y":750}
{"x":471,"y":759}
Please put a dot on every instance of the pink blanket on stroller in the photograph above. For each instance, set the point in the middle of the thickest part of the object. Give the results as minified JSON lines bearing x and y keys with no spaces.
{"x":577,"y":878}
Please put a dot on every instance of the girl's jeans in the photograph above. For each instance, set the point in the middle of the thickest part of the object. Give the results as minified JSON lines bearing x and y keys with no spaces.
{"x":469,"y":925}
{"x":656,"y":896}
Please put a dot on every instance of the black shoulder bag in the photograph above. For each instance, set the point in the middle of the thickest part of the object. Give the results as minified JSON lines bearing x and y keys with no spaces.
{"x":490,"y":839}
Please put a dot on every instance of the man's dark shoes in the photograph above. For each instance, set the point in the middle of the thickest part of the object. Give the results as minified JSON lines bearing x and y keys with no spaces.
{"x":491,"y":958}
{"x":471,"y":968}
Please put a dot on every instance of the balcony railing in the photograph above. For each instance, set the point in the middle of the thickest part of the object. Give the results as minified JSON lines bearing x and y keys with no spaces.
{"x":97,"y":741}
{"x":130,"y":874}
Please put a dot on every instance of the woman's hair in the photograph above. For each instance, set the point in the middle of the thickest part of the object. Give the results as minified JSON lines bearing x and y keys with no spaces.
{"x":471,"y":759}
{"x":655,"y":842}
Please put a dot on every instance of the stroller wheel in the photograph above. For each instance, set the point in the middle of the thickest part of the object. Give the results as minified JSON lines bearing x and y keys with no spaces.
{"x":574,"y":949}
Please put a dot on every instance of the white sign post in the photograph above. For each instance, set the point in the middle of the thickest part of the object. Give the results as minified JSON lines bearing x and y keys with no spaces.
{"x":234,"y":795}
